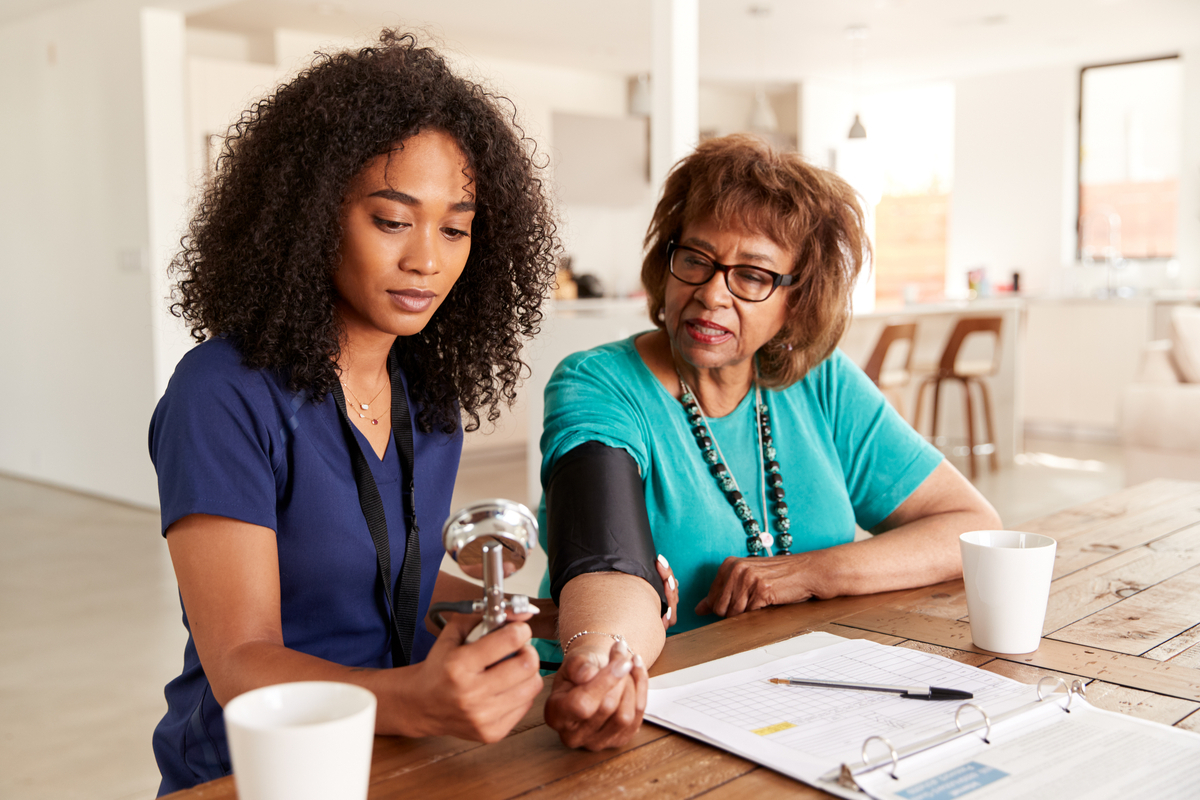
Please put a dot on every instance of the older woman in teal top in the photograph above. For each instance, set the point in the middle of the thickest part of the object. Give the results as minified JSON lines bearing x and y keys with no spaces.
{"x":733,"y":441}
{"x":845,"y":456}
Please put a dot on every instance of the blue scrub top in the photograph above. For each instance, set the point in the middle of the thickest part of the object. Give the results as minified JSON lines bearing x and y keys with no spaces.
{"x":236,"y":442}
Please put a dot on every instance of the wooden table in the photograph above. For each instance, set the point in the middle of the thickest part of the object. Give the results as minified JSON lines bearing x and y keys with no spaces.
{"x":1124,"y":615}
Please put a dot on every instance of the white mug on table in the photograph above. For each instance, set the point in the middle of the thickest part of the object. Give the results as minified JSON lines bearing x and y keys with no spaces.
{"x":1007,"y":576}
{"x":309,"y":740}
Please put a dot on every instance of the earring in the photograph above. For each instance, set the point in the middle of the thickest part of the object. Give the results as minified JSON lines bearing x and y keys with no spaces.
{"x":662,"y":315}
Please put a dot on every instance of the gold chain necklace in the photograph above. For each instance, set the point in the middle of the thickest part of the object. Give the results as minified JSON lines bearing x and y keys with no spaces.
{"x":365,"y":406}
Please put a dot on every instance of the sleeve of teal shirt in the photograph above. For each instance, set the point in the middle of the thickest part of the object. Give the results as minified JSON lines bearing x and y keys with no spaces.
{"x":589,"y":399}
{"x":883,"y":459}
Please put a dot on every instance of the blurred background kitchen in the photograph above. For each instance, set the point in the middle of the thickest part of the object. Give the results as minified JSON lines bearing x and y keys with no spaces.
{"x":1032,"y":162}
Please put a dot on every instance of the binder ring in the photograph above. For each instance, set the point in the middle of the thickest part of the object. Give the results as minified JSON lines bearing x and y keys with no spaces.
{"x":1057,"y":682}
{"x":1075,"y":688}
{"x":891,"y":749}
{"x":986,"y":720}
{"x":1080,"y":688}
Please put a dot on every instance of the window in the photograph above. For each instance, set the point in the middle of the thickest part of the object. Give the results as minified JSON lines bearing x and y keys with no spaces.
{"x":1129,"y":150}
{"x":912,"y":130}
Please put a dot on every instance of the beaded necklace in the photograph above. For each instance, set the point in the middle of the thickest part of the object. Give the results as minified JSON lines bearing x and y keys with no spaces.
{"x":758,"y":540}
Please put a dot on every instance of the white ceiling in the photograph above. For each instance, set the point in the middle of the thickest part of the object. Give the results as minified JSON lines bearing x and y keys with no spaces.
{"x":905,"y":40}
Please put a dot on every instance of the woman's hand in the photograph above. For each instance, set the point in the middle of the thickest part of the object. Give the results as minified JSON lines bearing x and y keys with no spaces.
{"x":598,"y":698}
{"x":473,"y":691}
{"x":672,"y":588}
{"x":748,"y":584}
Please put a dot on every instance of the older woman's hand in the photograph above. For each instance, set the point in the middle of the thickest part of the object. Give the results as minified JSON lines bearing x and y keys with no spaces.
{"x":748,"y":584}
{"x":597,"y":699}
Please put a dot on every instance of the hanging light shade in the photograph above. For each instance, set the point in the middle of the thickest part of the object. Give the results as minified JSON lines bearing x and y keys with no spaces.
{"x":857,"y":131}
{"x":640,"y":102}
{"x":762,"y":117}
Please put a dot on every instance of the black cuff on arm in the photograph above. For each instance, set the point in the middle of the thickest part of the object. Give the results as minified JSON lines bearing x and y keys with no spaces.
{"x":596,"y":518}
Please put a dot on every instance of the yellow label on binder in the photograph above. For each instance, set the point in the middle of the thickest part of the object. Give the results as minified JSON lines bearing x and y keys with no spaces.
{"x":776,"y":728}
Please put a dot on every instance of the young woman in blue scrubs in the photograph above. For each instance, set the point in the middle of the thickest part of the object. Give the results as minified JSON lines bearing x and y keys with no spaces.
{"x":360,"y":274}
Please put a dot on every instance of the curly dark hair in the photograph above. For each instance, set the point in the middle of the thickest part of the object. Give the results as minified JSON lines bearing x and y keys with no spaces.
{"x":742,"y":180}
{"x":258,"y":260}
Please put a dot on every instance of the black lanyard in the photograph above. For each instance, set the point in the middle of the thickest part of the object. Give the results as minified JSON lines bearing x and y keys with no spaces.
{"x":403,"y":608}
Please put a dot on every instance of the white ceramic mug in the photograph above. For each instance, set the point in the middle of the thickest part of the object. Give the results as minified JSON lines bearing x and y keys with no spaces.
{"x":310,"y":740}
{"x":1007,"y":576}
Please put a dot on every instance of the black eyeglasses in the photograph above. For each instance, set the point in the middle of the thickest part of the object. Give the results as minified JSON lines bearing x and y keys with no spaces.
{"x":752,"y":284}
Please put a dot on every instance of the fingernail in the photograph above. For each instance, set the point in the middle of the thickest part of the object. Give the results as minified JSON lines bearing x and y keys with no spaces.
{"x":638,"y":662}
{"x":669,"y":610}
{"x":623,"y":669}
{"x":663,"y":560}
{"x":671,"y":583}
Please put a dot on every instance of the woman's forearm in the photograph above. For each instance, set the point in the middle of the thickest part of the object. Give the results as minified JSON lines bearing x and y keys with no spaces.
{"x":473,"y":691}
{"x":916,"y":545}
{"x":611,"y":603}
{"x":256,"y":664}
{"x":919,"y":553}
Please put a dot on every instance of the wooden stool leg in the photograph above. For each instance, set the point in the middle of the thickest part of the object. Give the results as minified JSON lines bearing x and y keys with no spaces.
{"x":970,"y":420}
{"x":916,"y":420}
{"x":994,"y":459}
{"x":937,"y":395}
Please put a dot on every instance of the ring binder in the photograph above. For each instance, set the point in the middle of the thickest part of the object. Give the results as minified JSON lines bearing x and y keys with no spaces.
{"x":733,"y":704}
{"x":845,"y":775}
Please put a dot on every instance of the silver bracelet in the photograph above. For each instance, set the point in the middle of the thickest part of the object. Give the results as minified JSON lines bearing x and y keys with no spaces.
{"x":617,"y":636}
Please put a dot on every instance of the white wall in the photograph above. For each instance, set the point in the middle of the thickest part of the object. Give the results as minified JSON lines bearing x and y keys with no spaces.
{"x":77,"y":238}
{"x":1013,"y":203}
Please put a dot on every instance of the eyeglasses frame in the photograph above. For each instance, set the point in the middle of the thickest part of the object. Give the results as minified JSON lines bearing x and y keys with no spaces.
{"x":777,"y":279}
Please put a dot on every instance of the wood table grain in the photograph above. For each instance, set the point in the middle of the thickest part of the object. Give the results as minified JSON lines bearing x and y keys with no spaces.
{"x":1123,"y":616}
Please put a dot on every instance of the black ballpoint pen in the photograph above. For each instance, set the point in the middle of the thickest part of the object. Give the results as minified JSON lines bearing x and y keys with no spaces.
{"x":911,"y":692}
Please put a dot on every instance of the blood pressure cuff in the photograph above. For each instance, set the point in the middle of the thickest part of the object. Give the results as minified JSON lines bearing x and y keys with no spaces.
{"x":596,"y":518}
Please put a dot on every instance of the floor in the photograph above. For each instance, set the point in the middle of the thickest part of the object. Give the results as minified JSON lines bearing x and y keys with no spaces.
{"x":90,"y":630}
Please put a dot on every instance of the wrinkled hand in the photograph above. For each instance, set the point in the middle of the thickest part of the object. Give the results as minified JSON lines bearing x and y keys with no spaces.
{"x":597,"y":699}
{"x":672,"y":588}
{"x":748,"y":584}
{"x":474,"y":691}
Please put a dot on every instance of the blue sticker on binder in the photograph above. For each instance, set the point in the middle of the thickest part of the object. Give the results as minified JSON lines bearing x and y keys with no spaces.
{"x":958,"y":782}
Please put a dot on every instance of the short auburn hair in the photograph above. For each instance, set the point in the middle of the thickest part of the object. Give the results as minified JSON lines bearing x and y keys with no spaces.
{"x":742,"y":181}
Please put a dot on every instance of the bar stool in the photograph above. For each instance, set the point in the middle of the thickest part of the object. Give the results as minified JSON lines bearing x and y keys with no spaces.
{"x":968,"y":373}
{"x":891,"y":381}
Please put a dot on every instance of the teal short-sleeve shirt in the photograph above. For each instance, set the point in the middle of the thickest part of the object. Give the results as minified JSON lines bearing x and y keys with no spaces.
{"x":844,"y":453}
